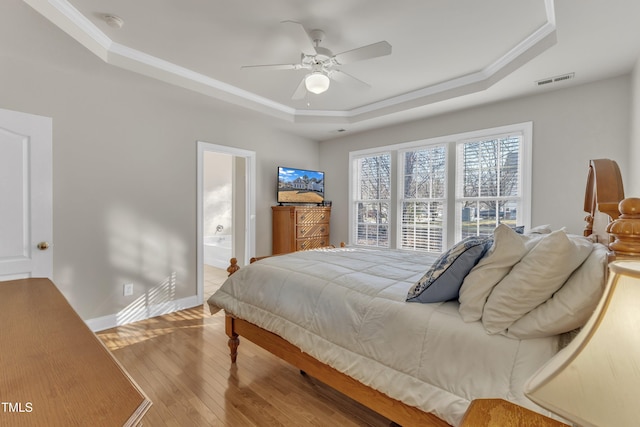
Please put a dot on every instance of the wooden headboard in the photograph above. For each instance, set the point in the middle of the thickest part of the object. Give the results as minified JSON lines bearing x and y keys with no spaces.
{"x":612,"y":219}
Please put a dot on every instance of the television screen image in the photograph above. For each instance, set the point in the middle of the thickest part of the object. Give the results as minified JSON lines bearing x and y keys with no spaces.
{"x":300,"y":186}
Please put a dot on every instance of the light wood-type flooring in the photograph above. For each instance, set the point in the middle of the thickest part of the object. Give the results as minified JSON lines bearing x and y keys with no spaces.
{"x":181,"y":361}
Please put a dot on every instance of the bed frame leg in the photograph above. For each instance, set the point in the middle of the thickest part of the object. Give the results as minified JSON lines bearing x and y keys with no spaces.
{"x":234,"y":342}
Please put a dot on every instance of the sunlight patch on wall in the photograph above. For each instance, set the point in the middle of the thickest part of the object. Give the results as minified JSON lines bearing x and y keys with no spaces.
{"x":147,"y":255}
{"x":155,"y":301}
{"x":218,"y":210}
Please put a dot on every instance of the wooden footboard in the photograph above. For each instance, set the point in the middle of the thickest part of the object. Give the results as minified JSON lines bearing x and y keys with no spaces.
{"x":396,"y":411}
{"x":392,"y":409}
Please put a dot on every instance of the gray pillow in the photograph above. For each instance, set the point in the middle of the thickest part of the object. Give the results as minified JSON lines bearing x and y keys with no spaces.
{"x":443,"y":280}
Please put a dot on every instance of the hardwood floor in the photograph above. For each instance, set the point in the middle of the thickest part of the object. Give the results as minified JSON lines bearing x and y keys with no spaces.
{"x":181,"y":361}
{"x":213,"y":279}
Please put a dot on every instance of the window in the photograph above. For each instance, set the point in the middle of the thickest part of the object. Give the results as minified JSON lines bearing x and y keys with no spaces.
{"x":488,"y":190}
{"x":414,"y":195}
{"x":373,"y":200}
{"x":424,"y":196}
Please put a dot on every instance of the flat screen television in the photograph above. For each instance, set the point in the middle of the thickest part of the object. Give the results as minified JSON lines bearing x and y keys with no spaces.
{"x":300,"y":186}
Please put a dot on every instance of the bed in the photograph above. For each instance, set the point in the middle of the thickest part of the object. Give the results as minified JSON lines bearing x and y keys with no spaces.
{"x":342,"y":316}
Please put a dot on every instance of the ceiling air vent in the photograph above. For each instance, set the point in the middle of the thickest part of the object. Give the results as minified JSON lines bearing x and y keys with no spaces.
{"x":555,"y":79}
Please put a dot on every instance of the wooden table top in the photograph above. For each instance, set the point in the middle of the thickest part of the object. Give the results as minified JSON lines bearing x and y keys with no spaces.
{"x":53,"y":369}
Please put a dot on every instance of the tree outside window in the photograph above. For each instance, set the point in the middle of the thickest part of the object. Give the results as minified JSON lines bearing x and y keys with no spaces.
{"x":373,"y":200}
{"x":488,"y":191}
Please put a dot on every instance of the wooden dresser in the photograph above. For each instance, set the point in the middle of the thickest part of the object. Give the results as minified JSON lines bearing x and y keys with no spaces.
{"x":297,"y":228}
{"x":55,"y":371}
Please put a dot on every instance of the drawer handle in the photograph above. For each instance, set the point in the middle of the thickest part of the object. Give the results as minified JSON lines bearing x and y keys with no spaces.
{"x":303,"y":232}
{"x":322,"y":216}
{"x":303,"y":245}
{"x":302,"y":217}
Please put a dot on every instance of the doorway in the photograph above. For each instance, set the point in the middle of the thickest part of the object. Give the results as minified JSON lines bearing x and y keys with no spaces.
{"x":226,"y":212}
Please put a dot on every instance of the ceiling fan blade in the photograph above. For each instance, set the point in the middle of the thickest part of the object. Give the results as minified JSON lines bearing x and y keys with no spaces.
{"x":342,"y":77}
{"x":299,"y":35}
{"x":301,"y":90}
{"x":365,"y":52}
{"x":274,"y":66}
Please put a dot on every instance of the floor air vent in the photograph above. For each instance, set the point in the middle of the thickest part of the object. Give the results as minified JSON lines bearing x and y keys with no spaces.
{"x":555,"y":79}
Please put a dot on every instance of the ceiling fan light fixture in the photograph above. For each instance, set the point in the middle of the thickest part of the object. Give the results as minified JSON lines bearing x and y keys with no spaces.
{"x":317,"y":82}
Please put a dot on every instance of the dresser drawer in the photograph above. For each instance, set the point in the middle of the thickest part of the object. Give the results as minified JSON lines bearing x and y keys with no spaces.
{"x":299,"y":228}
{"x":314,"y":216}
{"x":318,"y":242}
{"x":312,"y":230}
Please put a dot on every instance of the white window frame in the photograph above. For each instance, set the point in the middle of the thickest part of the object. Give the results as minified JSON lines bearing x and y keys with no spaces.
{"x":526,"y":128}
{"x":524,"y":162}
{"x":353,"y":199}
{"x":400,"y":185}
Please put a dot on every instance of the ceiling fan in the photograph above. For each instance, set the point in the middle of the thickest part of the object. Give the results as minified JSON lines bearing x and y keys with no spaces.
{"x":322,"y":64}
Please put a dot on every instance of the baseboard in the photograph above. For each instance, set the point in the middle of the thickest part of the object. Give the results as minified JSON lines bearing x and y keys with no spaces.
{"x":136,"y":313}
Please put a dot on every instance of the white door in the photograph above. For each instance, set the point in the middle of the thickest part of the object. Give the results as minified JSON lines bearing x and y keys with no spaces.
{"x":26,"y":225}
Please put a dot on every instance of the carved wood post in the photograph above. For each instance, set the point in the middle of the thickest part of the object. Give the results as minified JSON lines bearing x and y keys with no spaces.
{"x":626,"y":229}
{"x":234,"y":341}
{"x":233,"y":267}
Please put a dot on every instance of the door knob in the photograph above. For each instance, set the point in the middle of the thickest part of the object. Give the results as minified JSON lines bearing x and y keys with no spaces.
{"x":43,"y":246}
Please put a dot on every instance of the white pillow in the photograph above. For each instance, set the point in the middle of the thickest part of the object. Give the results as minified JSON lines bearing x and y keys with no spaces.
{"x":540,"y":229}
{"x":507,"y":249}
{"x":533,"y":280}
{"x":572,"y":305}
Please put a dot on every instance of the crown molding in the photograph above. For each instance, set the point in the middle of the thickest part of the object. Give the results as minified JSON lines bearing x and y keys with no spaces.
{"x":62,"y":14}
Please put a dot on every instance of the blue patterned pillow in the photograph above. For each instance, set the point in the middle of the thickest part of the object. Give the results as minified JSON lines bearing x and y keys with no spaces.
{"x":518,"y":229}
{"x":443,"y":280}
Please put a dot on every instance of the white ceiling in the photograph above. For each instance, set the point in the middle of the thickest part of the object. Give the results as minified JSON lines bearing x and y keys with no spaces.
{"x":446,"y":54}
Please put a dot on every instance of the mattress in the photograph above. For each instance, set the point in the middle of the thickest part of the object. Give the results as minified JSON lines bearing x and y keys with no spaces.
{"x":346,"y":307}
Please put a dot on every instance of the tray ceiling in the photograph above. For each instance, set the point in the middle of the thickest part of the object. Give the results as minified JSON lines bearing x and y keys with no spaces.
{"x":445,"y":55}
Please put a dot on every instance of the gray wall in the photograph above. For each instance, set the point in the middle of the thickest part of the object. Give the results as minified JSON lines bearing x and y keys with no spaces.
{"x":124,"y":165}
{"x":570,"y":127}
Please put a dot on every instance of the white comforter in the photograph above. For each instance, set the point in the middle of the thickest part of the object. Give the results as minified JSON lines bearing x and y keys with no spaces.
{"x":346,"y":307}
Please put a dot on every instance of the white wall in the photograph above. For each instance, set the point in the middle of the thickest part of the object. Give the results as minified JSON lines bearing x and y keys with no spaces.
{"x":570,"y":127}
{"x":217,"y":193}
{"x":124,"y":166}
